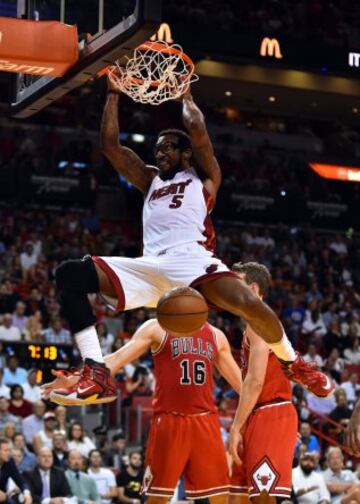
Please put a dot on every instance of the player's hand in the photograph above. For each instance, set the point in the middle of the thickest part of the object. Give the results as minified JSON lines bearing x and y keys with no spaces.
{"x":236,"y":445}
{"x":110,"y":84}
{"x":352,"y":433}
{"x":61,"y":381}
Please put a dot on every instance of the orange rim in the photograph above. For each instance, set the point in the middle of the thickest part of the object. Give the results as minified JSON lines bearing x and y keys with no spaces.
{"x":156,"y":46}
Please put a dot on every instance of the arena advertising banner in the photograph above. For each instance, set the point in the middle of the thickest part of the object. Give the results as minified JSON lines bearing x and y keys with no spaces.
{"x":286,"y":209}
{"x":61,"y":189}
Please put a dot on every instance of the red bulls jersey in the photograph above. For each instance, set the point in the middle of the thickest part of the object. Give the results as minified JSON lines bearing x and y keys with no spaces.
{"x":183,"y":372}
{"x":276,"y":385}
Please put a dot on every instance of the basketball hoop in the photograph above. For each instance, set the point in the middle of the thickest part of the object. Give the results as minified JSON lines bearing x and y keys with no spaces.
{"x":156,"y":73}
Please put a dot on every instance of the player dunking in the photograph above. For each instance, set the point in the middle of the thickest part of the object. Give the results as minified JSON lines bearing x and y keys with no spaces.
{"x":179,"y":242}
{"x":265,"y":424}
{"x":185,"y":432}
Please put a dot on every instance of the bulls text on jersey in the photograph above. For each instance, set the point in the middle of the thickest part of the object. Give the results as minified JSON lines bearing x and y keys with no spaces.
{"x":191,"y":345}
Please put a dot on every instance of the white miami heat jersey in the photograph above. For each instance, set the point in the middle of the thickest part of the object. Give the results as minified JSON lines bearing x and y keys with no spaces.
{"x":176,"y":212}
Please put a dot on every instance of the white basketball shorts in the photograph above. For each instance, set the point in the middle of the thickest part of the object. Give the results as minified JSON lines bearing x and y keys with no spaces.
{"x":141,"y":281}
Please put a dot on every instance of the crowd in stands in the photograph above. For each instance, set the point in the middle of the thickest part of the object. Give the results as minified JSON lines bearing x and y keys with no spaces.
{"x":333,"y":22}
{"x":259,"y":169}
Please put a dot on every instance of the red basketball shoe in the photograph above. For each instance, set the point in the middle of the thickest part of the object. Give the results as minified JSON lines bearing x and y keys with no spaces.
{"x":96,"y":386}
{"x":309,"y":376}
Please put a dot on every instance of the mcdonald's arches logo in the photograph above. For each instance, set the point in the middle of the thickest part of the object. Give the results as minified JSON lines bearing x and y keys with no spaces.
{"x":163,"y":34}
{"x":270,"y":48}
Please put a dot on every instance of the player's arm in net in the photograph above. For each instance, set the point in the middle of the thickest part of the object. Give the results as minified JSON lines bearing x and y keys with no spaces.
{"x":225,"y":362}
{"x":125,"y":161}
{"x":251,"y":389}
{"x":201,"y":145}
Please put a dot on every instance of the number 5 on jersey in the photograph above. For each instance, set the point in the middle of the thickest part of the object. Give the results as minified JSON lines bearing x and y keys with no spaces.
{"x":193,"y":374}
{"x":176,"y":201}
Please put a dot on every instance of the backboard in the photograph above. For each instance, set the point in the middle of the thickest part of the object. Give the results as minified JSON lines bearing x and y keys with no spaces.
{"x":108,"y":30}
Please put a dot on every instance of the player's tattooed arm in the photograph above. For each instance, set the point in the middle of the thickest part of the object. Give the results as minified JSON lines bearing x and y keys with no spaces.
{"x":124,"y":160}
{"x":201,"y":144}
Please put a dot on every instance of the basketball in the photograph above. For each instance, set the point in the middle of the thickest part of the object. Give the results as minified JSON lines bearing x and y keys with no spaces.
{"x":182,"y":310}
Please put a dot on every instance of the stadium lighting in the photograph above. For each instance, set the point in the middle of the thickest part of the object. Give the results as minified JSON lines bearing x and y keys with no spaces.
{"x":355,"y":110}
{"x":138,"y":138}
{"x":228,"y":93}
{"x":272,"y":99}
{"x":336,"y":172}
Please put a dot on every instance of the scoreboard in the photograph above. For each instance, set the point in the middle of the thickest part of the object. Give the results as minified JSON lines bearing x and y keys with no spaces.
{"x":42,"y":356}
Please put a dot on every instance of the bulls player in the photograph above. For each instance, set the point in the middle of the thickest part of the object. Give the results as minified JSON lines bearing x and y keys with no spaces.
{"x":185,"y":432}
{"x":265,"y":424}
{"x":179,"y":241}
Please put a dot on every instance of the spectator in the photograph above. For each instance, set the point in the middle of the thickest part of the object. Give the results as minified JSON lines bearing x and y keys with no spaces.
{"x":141,"y":382}
{"x":33,"y":331}
{"x":19,"y":406}
{"x":26,"y":460}
{"x":352,"y":355}
{"x":8,"y":296}
{"x":351,"y":388}
{"x":322,"y":405}
{"x":342,"y":484}
{"x":61,"y":419}
{"x":9,"y":332}
{"x":34,"y":423}
{"x":309,"y":439}
{"x":309,"y":486}
{"x":82,"y":485}
{"x":338,"y":245}
{"x":129,"y":481}
{"x":335,"y":364}
{"x":19,"y":319}
{"x":294,"y":314}
{"x":60,"y":451}
{"x":313,"y":297}
{"x":32,"y":391}
{"x":9,"y":470}
{"x":28,"y":259}
{"x":106,"y":339}
{"x":334,"y":338}
{"x":300,"y":402}
{"x":14,"y":375}
{"x":313,"y":326}
{"x":4,"y":389}
{"x":342,"y":413}
{"x":105,"y":479}
{"x":45,"y":437}
{"x":56,"y":334}
{"x":313,"y":356}
{"x":79,"y":442}
{"x":47,"y":482}
{"x":9,"y":432}
{"x":5,"y":416}
{"x":115,"y":456}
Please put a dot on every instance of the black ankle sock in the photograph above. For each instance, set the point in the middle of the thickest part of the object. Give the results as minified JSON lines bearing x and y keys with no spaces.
{"x":91,"y":363}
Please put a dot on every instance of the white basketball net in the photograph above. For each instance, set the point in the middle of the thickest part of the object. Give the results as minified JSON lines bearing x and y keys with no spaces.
{"x":156,"y":73}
